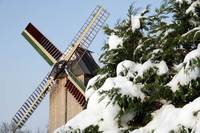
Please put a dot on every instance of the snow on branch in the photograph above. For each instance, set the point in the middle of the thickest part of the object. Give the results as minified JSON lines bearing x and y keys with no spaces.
{"x":187,"y":72}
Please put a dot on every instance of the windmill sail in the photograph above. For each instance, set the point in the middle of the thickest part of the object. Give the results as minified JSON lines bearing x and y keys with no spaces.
{"x":44,"y":47}
{"x":81,"y":41}
{"x":87,"y":33}
{"x":32,"y":103}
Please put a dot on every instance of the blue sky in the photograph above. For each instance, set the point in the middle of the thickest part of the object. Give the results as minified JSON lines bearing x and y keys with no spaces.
{"x":21,"y":67}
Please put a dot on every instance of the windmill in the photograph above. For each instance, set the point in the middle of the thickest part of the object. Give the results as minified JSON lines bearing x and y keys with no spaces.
{"x":62,"y":63}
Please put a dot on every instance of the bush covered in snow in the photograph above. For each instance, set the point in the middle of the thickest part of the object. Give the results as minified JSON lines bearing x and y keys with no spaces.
{"x":150,"y":81}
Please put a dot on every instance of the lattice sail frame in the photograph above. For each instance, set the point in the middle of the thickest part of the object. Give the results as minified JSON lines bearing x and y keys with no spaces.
{"x":82,"y":40}
{"x":32,"y":102}
{"x":87,"y":33}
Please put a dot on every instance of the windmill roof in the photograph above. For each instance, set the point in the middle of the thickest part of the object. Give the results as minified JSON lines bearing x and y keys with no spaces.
{"x":86,"y":65}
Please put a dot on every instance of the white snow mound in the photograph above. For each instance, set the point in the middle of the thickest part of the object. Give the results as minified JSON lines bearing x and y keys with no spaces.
{"x":103,"y":112}
{"x":169,"y":118}
{"x":114,"y":41}
{"x":135,"y":22}
{"x":131,"y":69}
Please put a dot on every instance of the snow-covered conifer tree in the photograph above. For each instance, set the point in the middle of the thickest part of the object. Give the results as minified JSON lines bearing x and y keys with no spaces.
{"x":150,"y":81}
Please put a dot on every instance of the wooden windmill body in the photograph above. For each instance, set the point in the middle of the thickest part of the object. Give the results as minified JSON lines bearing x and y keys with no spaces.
{"x":69,"y":76}
{"x":63,"y":106}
